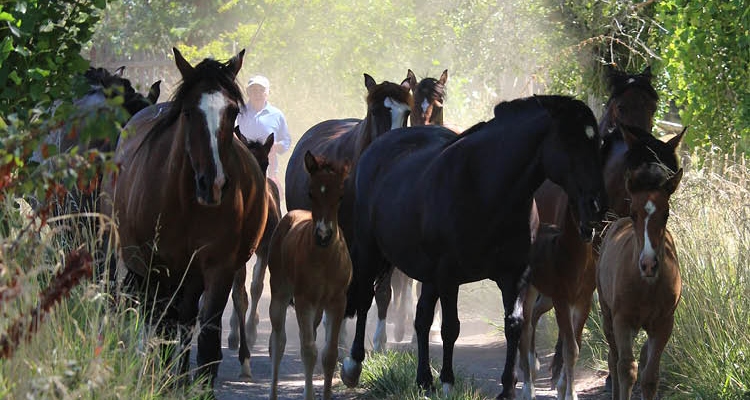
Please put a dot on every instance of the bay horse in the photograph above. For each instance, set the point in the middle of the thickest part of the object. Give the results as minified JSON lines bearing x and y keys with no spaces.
{"x":632,"y":102}
{"x":427,"y":109}
{"x":481,"y":231}
{"x":638,"y":280}
{"x":240,"y":331}
{"x":310,"y":268}
{"x":190,"y":202}
{"x":388,"y":105}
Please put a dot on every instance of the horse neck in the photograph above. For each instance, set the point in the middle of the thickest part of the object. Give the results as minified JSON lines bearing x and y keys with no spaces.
{"x":365,"y":132}
{"x":521,"y":164}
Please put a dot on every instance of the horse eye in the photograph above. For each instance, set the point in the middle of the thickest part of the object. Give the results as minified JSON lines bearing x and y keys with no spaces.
{"x":309,"y":194}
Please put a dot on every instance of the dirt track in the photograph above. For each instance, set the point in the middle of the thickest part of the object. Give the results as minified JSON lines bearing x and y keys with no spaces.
{"x":479,"y":353}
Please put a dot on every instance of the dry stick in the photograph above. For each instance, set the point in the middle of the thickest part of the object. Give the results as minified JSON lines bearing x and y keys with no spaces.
{"x":77,"y":266}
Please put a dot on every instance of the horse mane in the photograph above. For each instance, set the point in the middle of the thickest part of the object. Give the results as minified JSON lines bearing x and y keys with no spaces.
{"x":389,"y":89}
{"x":650,"y":176}
{"x":431,"y":88}
{"x":207,"y":70}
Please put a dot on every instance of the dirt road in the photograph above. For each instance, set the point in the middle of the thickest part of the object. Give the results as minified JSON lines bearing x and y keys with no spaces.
{"x":479,"y":353}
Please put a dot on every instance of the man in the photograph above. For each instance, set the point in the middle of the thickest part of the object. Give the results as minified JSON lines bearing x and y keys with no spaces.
{"x":259,"y":118}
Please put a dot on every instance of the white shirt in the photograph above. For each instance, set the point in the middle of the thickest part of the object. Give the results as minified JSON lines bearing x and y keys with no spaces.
{"x":256,"y":126}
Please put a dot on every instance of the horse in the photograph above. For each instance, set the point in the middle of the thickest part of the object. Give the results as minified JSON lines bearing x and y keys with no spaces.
{"x":480,"y":231}
{"x":632,"y":103}
{"x":388,"y":106}
{"x":191,"y":204}
{"x":310,"y":268}
{"x":239,"y":331}
{"x":427,"y":109}
{"x":564,"y":270}
{"x":638,"y":280}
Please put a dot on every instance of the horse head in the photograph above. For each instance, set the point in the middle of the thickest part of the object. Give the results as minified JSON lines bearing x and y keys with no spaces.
{"x":326,"y":191}
{"x":633,"y":102}
{"x":650,"y":187}
{"x":572,"y":159}
{"x":206,"y":105}
{"x":259,"y":150}
{"x":388,"y":106}
{"x":429,"y":96}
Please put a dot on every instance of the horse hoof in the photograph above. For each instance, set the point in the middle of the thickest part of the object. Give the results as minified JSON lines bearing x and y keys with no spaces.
{"x":245,"y":370}
{"x":350,"y":371}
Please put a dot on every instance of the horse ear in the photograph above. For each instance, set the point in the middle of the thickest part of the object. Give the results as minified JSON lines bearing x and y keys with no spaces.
{"x":268,"y":144}
{"x":119,"y":71}
{"x":647,"y":73}
{"x":235,"y":63}
{"x":675,"y":141}
{"x":185,"y":68}
{"x":369,"y":82}
{"x":673,"y":182}
{"x":443,"y":77}
{"x":411,"y":78}
{"x":311,"y":164}
{"x":154,"y":92}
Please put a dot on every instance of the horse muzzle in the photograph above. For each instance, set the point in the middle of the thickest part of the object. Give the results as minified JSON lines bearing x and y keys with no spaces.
{"x":323,"y":234}
{"x":209,"y":194}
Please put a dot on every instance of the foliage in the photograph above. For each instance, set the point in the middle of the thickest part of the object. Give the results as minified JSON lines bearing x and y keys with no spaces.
{"x":705,"y":49}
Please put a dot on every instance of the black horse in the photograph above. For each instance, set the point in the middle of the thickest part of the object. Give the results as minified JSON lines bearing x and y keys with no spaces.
{"x":449,"y":210}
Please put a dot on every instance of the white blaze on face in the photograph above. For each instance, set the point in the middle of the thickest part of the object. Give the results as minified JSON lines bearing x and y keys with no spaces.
{"x":425,"y":104}
{"x":648,"y":248}
{"x":590,"y":132}
{"x":212,"y":105}
{"x":398,"y":112}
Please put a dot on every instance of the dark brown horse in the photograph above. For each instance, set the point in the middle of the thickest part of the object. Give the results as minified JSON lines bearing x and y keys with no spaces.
{"x":638,"y":280}
{"x":191,"y":204}
{"x":247,"y":333}
{"x":310,"y":267}
{"x":481,"y":231}
{"x":632,"y":103}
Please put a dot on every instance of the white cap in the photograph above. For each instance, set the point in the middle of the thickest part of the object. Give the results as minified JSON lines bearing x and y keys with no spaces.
{"x":259,"y":80}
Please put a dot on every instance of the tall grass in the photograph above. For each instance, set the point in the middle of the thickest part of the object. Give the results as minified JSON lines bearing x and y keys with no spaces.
{"x":91,"y":345}
{"x":709,"y":353}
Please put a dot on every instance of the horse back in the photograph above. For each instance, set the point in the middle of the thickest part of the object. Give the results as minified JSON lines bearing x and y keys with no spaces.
{"x":318,"y":274}
{"x":332,"y":139}
{"x":620,"y":285}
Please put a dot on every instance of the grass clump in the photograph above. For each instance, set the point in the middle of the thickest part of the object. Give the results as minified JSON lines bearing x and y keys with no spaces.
{"x":392,"y":375}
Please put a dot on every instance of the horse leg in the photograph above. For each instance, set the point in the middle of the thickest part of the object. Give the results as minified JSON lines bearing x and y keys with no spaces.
{"x":657,"y":340}
{"x":366,"y":264}
{"x":280,"y":297}
{"x":627,"y":368}
{"x":215,"y":296}
{"x":237,"y":322}
{"x":527,"y":353}
{"x":256,"y":290}
{"x":541,"y":306}
{"x":306,"y":318}
{"x":450,"y":328}
{"x":612,"y":357}
{"x":513,"y":305}
{"x":330,"y":352}
{"x":383,"y":294}
{"x":566,"y":331}
{"x":422,"y":322}
{"x":401,"y":285}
